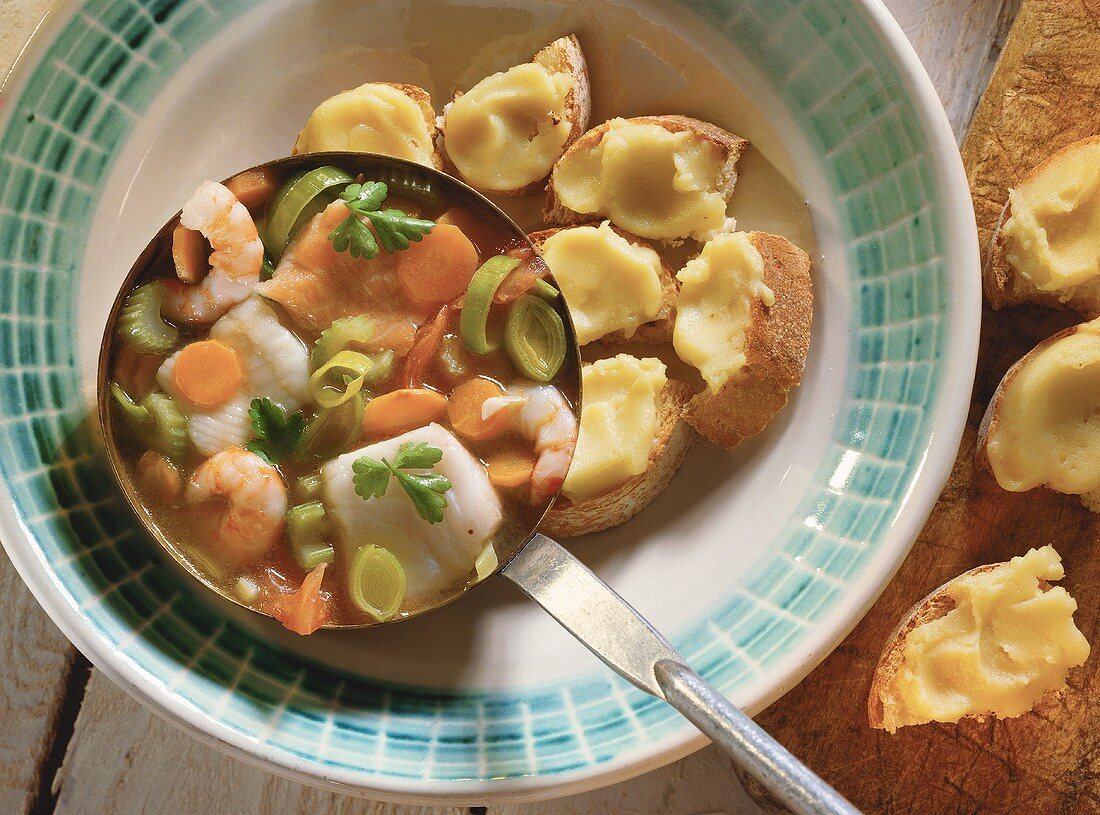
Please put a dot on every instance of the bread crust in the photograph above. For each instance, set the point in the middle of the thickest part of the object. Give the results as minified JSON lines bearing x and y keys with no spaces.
{"x":880,"y":706}
{"x":731,"y":145}
{"x":654,"y":332}
{"x":563,"y":55}
{"x":674,"y":437}
{"x":776,"y":345}
{"x":423,"y":100}
{"x":1003,"y":286}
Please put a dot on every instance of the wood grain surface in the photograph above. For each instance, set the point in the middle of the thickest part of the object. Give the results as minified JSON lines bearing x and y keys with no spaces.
{"x":116,"y":758}
{"x":1045,"y":93}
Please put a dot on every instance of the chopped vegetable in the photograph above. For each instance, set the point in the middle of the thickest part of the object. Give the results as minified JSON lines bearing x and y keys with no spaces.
{"x":479,"y":298}
{"x":393,"y":227}
{"x":253,"y":188}
{"x":520,"y":281}
{"x":207,"y":373}
{"x":159,"y":479}
{"x":487,"y":562}
{"x":309,"y":486}
{"x":157,"y":421}
{"x":535,"y":338}
{"x":332,"y":430}
{"x":246,"y":589}
{"x":305,"y":610}
{"x":464,"y":410}
{"x":345,"y":332}
{"x":545,"y":290}
{"x":267,"y":269}
{"x":401,"y":410}
{"x":306,"y":529}
{"x":424,"y":348}
{"x":425,"y":490}
{"x":296,"y":201}
{"x":376,"y":582}
{"x":439,"y":267}
{"x":189,"y":254}
{"x":509,"y":468}
{"x":278,"y":435}
{"x":339,"y":379}
{"x":140,"y":324}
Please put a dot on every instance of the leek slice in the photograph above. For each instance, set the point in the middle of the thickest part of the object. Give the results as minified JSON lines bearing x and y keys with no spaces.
{"x":535,"y":338}
{"x":306,"y":529}
{"x":486,"y":562}
{"x":339,"y":379}
{"x":339,"y":336}
{"x":300,"y":198}
{"x":140,"y":324}
{"x":376,"y":582}
{"x":333,"y":430}
{"x":479,"y":298}
{"x":545,"y":290}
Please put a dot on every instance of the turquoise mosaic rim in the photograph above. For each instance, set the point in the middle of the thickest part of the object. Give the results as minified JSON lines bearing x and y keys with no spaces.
{"x":828,"y":62}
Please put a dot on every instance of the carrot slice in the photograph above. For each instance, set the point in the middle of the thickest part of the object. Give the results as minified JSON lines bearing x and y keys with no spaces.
{"x":305,"y":610}
{"x":207,"y":373}
{"x":424,"y":348}
{"x":464,"y":410}
{"x":405,"y":409}
{"x":438,"y":267}
{"x":481,"y":231}
{"x":509,"y":468}
{"x":253,"y":188}
{"x":189,"y":254}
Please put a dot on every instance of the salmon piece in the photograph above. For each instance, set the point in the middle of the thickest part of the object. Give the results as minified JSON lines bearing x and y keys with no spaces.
{"x":317,"y":285}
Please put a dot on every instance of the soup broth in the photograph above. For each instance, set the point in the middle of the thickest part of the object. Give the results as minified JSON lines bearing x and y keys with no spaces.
{"x":355,"y":438}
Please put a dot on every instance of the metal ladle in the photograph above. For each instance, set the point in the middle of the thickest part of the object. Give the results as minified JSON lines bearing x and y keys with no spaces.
{"x":547,"y":573}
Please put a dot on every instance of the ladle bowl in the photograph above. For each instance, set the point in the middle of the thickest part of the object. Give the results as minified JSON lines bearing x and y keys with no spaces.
{"x":587,"y":607}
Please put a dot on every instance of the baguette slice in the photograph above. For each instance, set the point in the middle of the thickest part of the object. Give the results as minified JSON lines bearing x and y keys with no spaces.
{"x":776,"y":345}
{"x":1041,"y":636}
{"x":423,"y":101}
{"x":1004,"y":286}
{"x":674,"y":437}
{"x":563,"y":55}
{"x":730,"y":146}
{"x":657,"y":330}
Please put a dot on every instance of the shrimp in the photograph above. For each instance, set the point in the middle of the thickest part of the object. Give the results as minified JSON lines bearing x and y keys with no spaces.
{"x":256,"y":514}
{"x":234,"y":264}
{"x":544,"y":417}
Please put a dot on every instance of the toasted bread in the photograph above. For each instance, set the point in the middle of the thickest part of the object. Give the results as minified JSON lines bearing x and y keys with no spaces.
{"x":776,"y":344}
{"x":423,"y":100}
{"x":674,"y":437}
{"x":730,"y":145}
{"x":655,"y":331}
{"x":1004,"y":286}
{"x":563,"y":55}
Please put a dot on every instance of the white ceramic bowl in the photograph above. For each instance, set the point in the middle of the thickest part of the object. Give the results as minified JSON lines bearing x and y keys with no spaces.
{"x":756,"y":563}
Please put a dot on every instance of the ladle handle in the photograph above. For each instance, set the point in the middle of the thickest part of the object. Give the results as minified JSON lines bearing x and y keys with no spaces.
{"x":615,"y":632}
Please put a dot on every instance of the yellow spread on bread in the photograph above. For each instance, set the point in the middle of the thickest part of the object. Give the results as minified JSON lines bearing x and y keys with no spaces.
{"x":507,"y":131}
{"x":1004,"y":645}
{"x":647,"y":180}
{"x":619,"y":422}
{"x":1052,"y":236}
{"x":1046,"y":426}
{"x":373,"y":118}
{"x":609,"y":283}
{"x":714,"y":306}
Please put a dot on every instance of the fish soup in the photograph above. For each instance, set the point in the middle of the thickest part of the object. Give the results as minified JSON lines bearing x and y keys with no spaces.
{"x":340,"y":395}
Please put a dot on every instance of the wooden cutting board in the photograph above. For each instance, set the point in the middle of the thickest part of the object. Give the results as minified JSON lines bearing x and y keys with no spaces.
{"x":1044,"y":94}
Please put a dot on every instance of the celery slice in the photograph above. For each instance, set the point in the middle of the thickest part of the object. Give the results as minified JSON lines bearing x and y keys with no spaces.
{"x":140,"y":324}
{"x":479,"y":299}
{"x":376,"y":582}
{"x":306,"y":530}
{"x":535,"y":338}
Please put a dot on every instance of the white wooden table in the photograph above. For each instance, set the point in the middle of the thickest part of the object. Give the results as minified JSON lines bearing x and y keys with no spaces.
{"x":72,"y":743}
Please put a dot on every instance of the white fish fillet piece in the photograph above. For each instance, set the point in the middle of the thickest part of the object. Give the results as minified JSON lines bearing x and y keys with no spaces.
{"x":274,"y":363}
{"x":435,"y":556}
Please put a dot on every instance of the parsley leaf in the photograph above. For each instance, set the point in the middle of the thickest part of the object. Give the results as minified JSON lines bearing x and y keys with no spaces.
{"x":394,"y":228}
{"x":425,"y":490}
{"x":277,"y":434}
